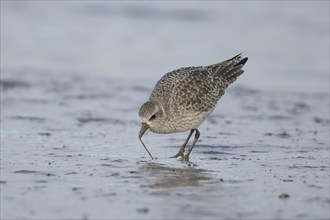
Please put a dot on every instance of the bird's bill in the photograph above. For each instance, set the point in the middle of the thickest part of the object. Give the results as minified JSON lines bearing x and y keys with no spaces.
{"x":144,"y":128}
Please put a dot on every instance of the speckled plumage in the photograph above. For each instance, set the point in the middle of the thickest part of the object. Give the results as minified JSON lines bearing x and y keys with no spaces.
{"x":182,"y":99}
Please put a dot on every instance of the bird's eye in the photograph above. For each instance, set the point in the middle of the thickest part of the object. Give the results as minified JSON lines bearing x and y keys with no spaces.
{"x":152,"y":117}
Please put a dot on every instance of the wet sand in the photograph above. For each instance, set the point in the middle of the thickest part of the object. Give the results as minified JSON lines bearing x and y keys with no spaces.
{"x":69,"y":150}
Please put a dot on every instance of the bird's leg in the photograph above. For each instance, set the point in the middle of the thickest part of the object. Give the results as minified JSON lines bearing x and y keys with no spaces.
{"x":186,"y":157}
{"x":181,"y":151}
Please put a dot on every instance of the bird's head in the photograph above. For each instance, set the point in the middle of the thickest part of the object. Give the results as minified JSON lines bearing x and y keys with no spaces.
{"x":151,"y":114}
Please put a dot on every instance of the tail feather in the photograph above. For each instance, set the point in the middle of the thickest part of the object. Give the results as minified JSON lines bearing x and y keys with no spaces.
{"x":230,"y":69}
{"x":242,"y":62}
{"x":232,"y":77}
{"x":236,"y":71}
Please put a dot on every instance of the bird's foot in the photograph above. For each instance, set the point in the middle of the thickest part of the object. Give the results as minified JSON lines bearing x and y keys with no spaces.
{"x":186,"y":158}
{"x":188,"y":163}
{"x":180,"y":153}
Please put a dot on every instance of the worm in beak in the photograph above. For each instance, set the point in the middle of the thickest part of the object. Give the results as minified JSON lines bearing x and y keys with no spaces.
{"x":144,"y":128}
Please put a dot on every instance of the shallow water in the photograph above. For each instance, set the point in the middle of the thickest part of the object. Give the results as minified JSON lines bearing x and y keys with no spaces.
{"x":72,"y":87}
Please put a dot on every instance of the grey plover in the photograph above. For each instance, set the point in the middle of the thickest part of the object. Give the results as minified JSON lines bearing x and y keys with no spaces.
{"x":183,"y":99}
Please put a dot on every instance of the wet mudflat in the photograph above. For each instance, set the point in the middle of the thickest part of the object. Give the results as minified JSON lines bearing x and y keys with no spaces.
{"x":69,"y":149}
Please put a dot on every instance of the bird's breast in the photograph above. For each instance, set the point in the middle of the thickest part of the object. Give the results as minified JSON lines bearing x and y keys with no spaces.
{"x":181,"y":123}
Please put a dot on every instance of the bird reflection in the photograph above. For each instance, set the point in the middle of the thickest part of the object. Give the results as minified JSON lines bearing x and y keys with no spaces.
{"x":163,"y":177}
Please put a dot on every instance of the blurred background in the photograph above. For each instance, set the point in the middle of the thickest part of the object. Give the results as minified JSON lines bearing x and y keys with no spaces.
{"x":287,"y":42}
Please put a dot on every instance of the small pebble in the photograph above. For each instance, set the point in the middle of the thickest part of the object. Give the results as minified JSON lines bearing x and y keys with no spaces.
{"x":284,"y":196}
{"x":142,"y":210}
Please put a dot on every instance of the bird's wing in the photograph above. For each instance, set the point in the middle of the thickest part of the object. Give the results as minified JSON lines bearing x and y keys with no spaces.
{"x":194,"y":91}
